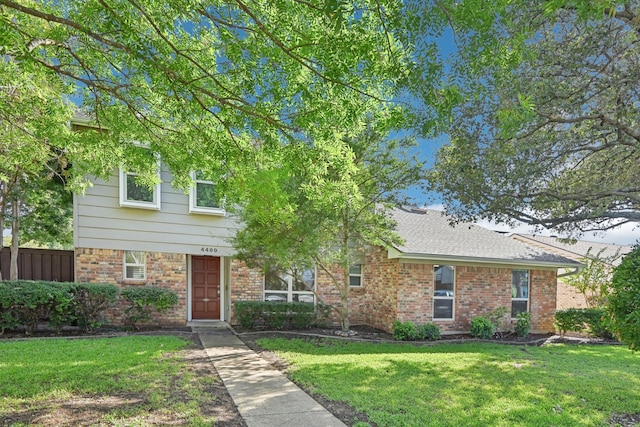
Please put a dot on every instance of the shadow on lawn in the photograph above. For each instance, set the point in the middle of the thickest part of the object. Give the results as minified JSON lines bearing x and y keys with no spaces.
{"x":469,"y":383}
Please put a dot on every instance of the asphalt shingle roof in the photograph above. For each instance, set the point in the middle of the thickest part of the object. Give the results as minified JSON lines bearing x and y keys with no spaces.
{"x":579,"y":248}
{"x":428,"y":233}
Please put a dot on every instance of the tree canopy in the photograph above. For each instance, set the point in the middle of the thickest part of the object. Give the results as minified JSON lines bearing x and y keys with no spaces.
{"x":215,"y":83}
{"x":548,"y":128}
{"x":328,"y":207}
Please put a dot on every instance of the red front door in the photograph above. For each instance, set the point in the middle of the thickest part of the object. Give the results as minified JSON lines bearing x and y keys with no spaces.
{"x":205,"y":287}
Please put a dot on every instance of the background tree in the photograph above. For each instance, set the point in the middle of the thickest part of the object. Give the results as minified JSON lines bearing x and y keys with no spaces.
{"x":548,"y":130}
{"x":624,"y":300}
{"x":594,"y":279}
{"x":326,"y":206}
{"x":34,"y":140}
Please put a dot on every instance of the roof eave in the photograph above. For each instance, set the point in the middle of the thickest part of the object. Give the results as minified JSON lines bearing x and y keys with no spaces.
{"x":395,"y":254}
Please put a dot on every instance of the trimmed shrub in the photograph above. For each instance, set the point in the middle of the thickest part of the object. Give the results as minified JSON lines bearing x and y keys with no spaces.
{"x":90,"y":301}
{"x":481,"y":327}
{"x":596,"y":320}
{"x":143,"y":300}
{"x":280,"y":315}
{"x":27,"y":303}
{"x":429,"y":331}
{"x":523,"y":324}
{"x":568,"y":320}
{"x":404,"y":331}
{"x":584,"y":320}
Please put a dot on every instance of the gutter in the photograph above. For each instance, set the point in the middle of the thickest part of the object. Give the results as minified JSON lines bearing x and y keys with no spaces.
{"x":395,"y":254}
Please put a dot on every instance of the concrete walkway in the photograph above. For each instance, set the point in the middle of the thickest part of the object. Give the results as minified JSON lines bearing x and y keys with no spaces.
{"x":263,"y":395}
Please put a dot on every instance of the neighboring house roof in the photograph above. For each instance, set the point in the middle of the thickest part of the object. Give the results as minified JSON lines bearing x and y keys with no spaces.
{"x":428,"y":234}
{"x":577,"y":249}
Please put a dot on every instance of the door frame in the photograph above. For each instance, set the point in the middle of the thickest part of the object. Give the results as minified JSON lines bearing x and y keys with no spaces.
{"x":222,"y":290}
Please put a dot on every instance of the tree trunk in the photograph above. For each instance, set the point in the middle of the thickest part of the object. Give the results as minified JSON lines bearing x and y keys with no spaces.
{"x":344,"y":303}
{"x":15,"y":226}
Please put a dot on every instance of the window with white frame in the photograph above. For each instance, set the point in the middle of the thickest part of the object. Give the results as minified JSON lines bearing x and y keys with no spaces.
{"x":443,"y":292}
{"x":137,"y":194}
{"x":203,"y":197}
{"x":355,"y":275}
{"x":134,"y":265}
{"x":295,"y":286}
{"x":519,"y":292}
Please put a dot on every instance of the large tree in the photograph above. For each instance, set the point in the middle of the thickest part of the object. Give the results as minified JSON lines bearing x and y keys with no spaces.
{"x":210,"y":84}
{"x":548,"y":131}
{"x":35,"y":141}
{"x":328,"y":206}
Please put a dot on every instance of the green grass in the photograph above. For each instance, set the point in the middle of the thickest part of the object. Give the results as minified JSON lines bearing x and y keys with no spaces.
{"x":143,"y":374}
{"x":475,"y":384}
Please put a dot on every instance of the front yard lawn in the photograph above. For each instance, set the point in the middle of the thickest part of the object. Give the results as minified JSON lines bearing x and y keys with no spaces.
{"x":135,"y":380}
{"x":475,"y":384}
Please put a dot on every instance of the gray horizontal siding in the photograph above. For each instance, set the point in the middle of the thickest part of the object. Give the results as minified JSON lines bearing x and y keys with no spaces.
{"x":100,"y":222}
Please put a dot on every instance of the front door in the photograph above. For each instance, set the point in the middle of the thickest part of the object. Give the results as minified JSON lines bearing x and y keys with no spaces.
{"x":205,"y":287}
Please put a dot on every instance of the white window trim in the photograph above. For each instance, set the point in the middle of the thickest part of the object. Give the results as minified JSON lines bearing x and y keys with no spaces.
{"x":290,"y":292}
{"x":361,"y":276}
{"x":528,"y":310}
{"x":125,"y":264}
{"x":157,"y":189}
{"x":193,"y":208}
{"x":452,"y":298}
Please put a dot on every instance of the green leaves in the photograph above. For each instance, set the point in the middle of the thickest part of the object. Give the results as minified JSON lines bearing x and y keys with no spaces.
{"x":547,"y":132}
{"x":624,"y":300}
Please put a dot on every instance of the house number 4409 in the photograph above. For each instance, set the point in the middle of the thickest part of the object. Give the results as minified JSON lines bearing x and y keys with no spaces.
{"x":209,"y":250}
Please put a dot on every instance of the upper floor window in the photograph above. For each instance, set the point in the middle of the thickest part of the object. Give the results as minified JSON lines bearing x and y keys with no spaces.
{"x":137,"y":194}
{"x":355,"y":275}
{"x":134,"y":265}
{"x":443,"y":292}
{"x":298,"y":285}
{"x":519,"y":292}
{"x":203,"y":197}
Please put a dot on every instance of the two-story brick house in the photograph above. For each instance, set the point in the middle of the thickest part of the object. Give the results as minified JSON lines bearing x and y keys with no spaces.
{"x":128,"y":235}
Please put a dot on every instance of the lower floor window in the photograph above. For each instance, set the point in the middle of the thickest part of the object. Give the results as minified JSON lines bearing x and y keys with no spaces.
{"x":295,"y":286}
{"x":519,"y":292}
{"x":443,"y":292}
{"x":134,"y":265}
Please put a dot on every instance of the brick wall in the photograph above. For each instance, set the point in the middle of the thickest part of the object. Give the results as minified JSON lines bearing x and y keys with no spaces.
{"x":569,"y":297}
{"x":328,"y":293}
{"x":404,"y":291}
{"x":380,"y":289}
{"x":246,"y":284}
{"x":542,"y":300}
{"x":164,"y":270}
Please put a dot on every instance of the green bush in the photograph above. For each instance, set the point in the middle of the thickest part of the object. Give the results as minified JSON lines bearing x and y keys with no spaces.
{"x":279,"y":315}
{"x":586,"y":320}
{"x":596,"y":321}
{"x":481,"y":327}
{"x":142,"y":300}
{"x":429,"y":331}
{"x":624,"y":300}
{"x":523,"y":324}
{"x":499,"y":320}
{"x":27,"y":303}
{"x":404,"y":331}
{"x":90,"y":300}
{"x":570,"y":319}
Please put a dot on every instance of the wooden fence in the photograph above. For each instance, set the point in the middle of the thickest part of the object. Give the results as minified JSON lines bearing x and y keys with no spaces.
{"x":40,"y":264}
